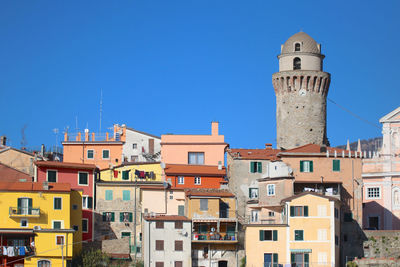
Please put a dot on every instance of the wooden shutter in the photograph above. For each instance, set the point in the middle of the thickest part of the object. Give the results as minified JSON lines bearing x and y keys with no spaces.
{"x":159,"y":264}
{"x":178,"y":225}
{"x":252,"y":167}
{"x":291,"y":211}
{"x":305,"y":210}
{"x":130,"y":217}
{"x":301,"y":166}
{"x":178,"y":245}
{"x":151,"y":146}
{"x":306,"y":258}
{"x":19,"y":203}
{"x":275,"y":259}
{"x":259,"y":167}
{"x":311,"y":166}
{"x":121,"y":216}
{"x":275,"y":235}
{"x":159,"y":244}
{"x":29,"y":205}
{"x":292,"y":258}
{"x":112,"y":216}
{"x":178,"y":264}
{"x":159,"y":224}
{"x":261,"y":235}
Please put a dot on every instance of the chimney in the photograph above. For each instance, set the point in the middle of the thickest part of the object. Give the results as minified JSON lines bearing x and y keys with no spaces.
{"x":219,"y":165}
{"x":86,"y":134}
{"x":42,"y":150}
{"x":268,"y":146}
{"x":3,"y":140}
{"x":214,"y":128}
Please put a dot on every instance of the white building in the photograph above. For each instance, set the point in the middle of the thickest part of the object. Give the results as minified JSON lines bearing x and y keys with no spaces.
{"x":167,"y":241}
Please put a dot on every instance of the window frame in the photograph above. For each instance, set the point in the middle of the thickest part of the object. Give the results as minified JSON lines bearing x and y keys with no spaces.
{"x":134,"y":145}
{"x":251,"y":189}
{"x":297,"y":44}
{"x":87,"y":153}
{"x":87,"y":225}
{"x":161,"y":243}
{"x":85,"y":204}
{"x":47,"y":175}
{"x":63,"y":239}
{"x":54,"y":203}
{"x":25,"y":220}
{"x":296,"y":235}
{"x":61,"y":224}
{"x":255,"y":167}
{"x":196,"y":157}
{"x":310,"y":166}
{"x":337,"y":161}
{"x":178,"y":225}
{"x":274,"y":235}
{"x":197,"y":180}
{"x":181,"y":179}
{"x":159,"y":224}
{"x":105,"y":195}
{"x":368,"y":193}
{"x":206,"y":204}
{"x":112,"y":216}
{"x":102,"y":153}
{"x":180,"y":243}
{"x":268,"y":187}
{"x":254,"y":216}
{"x":79,"y":182}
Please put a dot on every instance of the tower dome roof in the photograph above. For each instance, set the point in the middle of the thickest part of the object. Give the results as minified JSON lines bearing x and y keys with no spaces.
{"x":308,"y":44}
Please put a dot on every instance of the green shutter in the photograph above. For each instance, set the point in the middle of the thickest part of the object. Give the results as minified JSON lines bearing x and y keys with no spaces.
{"x":301,"y":233}
{"x":301,"y":166}
{"x":306,"y":258}
{"x":275,"y":235}
{"x":90,"y":202}
{"x":29,"y":205}
{"x":252,"y":167}
{"x":112,"y":216}
{"x":336,"y":165}
{"x":121,"y":216}
{"x":125,"y":175}
{"x":292,"y":258}
{"x":104,"y":217}
{"x":275,"y":259}
{"x":291,"y":211}
{"x":130,"y":217}
{"x":19,"y":203}
{"x":259,"y":167}
{"x":311,"y":166}
{"x":305,"y":211}
{"x":261,"y":235}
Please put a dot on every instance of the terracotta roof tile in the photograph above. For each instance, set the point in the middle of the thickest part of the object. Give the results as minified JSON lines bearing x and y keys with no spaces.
{"x":28,"y":186}
{"x":263,"y":154}
{"x":204,"y":170}
{"x":68,"y":165}
{"x":314,"y":148}
{"x":209,"y":192}
{"x":166,"y":218}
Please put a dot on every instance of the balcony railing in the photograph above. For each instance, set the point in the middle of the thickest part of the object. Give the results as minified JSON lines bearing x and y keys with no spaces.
{"x":266,"y":220}
{"x":215,"y":237}
{"x":24,"y":212}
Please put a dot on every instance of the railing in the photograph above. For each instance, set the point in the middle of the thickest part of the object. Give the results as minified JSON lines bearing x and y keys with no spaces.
{"x":266,"y":220}
{"x":215,"y":237}
{"x":24,"y":212}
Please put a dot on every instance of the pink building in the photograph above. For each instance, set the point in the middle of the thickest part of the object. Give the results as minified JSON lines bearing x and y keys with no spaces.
{"x":381,"y":179}
{"x":80,"y":177}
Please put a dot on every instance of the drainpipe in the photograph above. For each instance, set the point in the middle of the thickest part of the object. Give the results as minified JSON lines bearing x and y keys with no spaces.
{"x":149,"y":243}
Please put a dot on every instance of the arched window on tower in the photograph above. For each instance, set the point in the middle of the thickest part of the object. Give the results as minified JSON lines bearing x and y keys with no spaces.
{"x":297,"y":47}
{"x":297,"y":63}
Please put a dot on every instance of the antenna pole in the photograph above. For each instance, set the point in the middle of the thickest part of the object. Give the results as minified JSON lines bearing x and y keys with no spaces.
{"x":101,"y":108}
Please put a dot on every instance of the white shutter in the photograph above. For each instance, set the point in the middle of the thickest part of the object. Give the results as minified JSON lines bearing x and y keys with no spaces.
{"x":321,"y":210}
{"x":322,"y":258}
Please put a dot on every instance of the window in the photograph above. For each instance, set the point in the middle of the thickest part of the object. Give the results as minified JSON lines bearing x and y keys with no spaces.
{"x":52,"y":176}
{"x":159,"y":244}
{"x":24,"y":223}
{"x":297,"y":63}
{"x":254,"y":216}
{"x":181,"y":180}
{"x":203,"y":204}
{"x":298,"y":235}
{"x":178,"y":264}
{"x":322,"y":258}
{"x":159,"y":225}
{"x":197,"y":180}
{"x":57,"y":224}
{"x":271,"y":214}
{"x":322,"y":234}
{"x":109,"y":195}
{"x":57,"y":203}
{"x":125,"y":217}
{"x":253,"y":193}
{"x":83,"y":178}
{"x":44,"y":263}
{"x":106,"y":154}
{"x":134,"y":146}
{"x":125,"y":175}
{"x":373,"y":192}
{"x":181,"y":210}
{"x":178,"y":245}
{"x":75,"y":227}
{"x":178,"y":225}
{"x":24,"y":206}
{"x":75,"y":207}
{"x":336,"y":165}
{"x":268,"y":235}
{"x":297,"y":47}
{"x":126,"y":195}
{"x":87,"y":202}
{"x":59,"y":240}
{"x":271,"y":190}
{"x":196,"y":158}
{"x":85,"y":225}
{"x":134,"y":158}
{"x":90,"y":153}
{"x":298,"y":211}
{"x":300,"y":259}
{"x":322,"y":210}
{"x":306,"y":166}
{"x":159,"y":264}
{"x":108,"y":216}
{"x":255,"y":167}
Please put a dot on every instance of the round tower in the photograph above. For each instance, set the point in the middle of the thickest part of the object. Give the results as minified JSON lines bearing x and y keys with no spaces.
{"x":301,"y":87}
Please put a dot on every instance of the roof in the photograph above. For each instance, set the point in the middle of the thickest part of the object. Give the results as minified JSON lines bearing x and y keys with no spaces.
{"x":391,"y":117}
{"x":67,"y":165}
{"x":18,"y":150}
{"x":288,"y":199}
{"x":204,"y":170}
{"x":166,"y":218}
{"x":263,"y":154}
{"x":159,"y":187}
{"x":315,"y":149}
{"x":10,"y":174}
{"x":208,"y":193}
{"x":29,"y":186}
{"x":309,"y":45}
{"x":131,"y":129}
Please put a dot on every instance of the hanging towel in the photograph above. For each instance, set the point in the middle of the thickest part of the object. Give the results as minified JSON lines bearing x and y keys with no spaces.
{"x":147,"y":175}
{"x":141,"y":175}
{"x":10,"y":251}
{"x":115,"y":174}
{"x":152,"y":176}
{"x":21,"y":251}
{"x":137,"y":173}
{"x":4,"y":250}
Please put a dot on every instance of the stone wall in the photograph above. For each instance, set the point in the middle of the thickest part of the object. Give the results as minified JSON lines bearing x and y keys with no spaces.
{"x":116,"y":246}
{"x":382,"y":244}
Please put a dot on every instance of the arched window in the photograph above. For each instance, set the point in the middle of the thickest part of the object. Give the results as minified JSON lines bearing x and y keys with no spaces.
{"x":297,"y":63}
{"x":44,"y":263}
{"x":297,"y":47}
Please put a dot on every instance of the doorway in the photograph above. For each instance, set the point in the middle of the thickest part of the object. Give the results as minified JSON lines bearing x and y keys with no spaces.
{"x":373,"y":222}
{"x":223,"y":264}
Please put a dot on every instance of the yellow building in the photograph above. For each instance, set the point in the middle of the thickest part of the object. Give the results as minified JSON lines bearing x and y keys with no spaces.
{"x":39,"y":224}
{"x":129,"y":171}
{"x":308,"y":236}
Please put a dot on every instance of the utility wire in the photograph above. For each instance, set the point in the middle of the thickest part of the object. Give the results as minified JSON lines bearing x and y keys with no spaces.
{"x":354,"y":115}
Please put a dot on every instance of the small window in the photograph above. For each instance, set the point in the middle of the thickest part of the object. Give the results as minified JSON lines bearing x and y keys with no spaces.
{"x":306,"y":166}
{"x":255,"y":166}
{"x":87,"y":202}
{"x":109,"y":195}
{"x":90,"y":154}
{"x":159,"y":225}
{"x":134,"y":146}
{"x":178,"y":264}
{"x":253,"y":193}
{"x":196,"y":158}
{"x":268,"y":235}
{"x":181,"y":210}
{"x":57,"y":203}
{"x":203,"y":204}
{"x":24,"y":223}
{"x":298,"y":235}
{"x":60,"y":240}
{"x":83,"y":178}
{"x":44,"y":263}
{"x":336,"y":165}
{"x":134,"y":158}
{"x":178,"y":225}
{"x":85,"y":225}
{"x":178,"y":245}
{"x":57,"y":224}
{"x":108,"y":217}
{"x":271,"y":214}
{"x":373,"y":192}
{"x":197,"y":180}
{"x":181,"y":180}
{"x":254,"y":215}
{"x":159,"y":263}
{"x":298,"y":211}
{"x":271,"y":190}
{"x":75,"y":227}
{"x":126,"y":195}
{"x":125,"y":217}
{"x":297,"y":63}
{"x":52,"y":176}
{"x":159,"y":244}
{"x":297,"y":47}
{"x":75,"y":207}
{"x":106,"y":154}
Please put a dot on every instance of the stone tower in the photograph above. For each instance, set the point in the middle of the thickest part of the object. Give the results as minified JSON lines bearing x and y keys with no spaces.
{"x":301,"y":87}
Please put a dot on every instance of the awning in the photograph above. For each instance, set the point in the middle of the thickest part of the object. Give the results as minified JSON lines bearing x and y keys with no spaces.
{"x":16,"y":232}
{"x":300,"y":250}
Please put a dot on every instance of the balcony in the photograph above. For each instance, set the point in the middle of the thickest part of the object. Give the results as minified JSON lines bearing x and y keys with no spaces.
{"x":215,"y":237}
{"x":326,"y":189}
{"x":24,"y":212}
{"x":266,"y":220}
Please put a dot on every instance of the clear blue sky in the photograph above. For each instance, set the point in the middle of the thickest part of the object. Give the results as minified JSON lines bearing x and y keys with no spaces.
{"x":175,"y":66}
